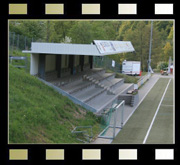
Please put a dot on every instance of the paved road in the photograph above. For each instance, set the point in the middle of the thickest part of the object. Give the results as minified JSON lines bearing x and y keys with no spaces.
{"x":143,"y":91}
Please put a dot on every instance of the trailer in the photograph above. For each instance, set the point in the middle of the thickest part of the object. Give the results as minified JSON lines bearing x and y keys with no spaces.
{"x":131,"y":67}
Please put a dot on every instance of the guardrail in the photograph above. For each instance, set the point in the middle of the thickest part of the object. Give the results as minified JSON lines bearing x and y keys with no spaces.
{"x":11,"y":58}
{"x":143,"y":79}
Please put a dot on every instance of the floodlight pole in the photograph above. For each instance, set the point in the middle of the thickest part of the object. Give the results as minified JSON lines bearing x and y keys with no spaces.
{"x":150,"y":47}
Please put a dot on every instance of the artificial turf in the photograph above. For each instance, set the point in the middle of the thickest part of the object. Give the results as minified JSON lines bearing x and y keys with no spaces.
{"x":137,"y":126}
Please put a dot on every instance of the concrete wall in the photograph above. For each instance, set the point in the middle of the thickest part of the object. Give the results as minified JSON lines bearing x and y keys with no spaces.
{"x":130,"y":99}
{"x":34,"y":64}
{"x":50,"y":63}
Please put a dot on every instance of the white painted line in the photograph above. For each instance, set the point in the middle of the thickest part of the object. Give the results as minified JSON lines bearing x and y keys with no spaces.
{"x":140,"y":102}
{"x":147,"y":134}
{"x":167,"y":105}
{"x":137,"y":106}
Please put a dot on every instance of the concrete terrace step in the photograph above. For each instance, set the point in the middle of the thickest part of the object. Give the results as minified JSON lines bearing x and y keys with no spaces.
{"x":102,"y":77}
{"x":116,"y":82}
{"x":80,"y":87}
{"x":93,"y":91}
{"x":88,"y":94}
{"x":102,"y":101}
{"x":123,"y":88}
{"x":73,"y":87}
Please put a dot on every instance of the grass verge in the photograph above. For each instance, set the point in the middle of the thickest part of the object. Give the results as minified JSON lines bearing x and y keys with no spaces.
{"x":39,"y":114}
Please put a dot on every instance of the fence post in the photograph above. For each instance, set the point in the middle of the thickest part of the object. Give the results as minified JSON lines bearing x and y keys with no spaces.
{"x":13,"y":41}
{"x":25,"y":42}
{"x":17,"y":47}
{"x":122,"y":116}
{"x":114,"y":129}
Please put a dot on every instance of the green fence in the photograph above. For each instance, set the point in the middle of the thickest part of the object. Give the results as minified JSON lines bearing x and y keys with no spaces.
{"x":18,"y":42}
{"x":112,"y":120}
{"x":106,"y":63}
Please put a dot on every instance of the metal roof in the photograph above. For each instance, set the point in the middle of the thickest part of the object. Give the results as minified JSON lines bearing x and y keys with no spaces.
{"x":65,"y":49}
{"x":59,"y":48}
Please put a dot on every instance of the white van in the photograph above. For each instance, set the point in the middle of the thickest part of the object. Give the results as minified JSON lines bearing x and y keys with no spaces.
{"x":131,"y":67}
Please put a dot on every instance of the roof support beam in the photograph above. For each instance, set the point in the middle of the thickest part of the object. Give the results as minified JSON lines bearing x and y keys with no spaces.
{"x":71,"y":63}
{"x":82,"y":62}
{"x":91,"y":61}
{"x":58,"y":65}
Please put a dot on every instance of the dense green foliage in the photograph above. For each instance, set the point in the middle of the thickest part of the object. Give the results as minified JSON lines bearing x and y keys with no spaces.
{"x":84,"y":32}
{"x":38,"y":114}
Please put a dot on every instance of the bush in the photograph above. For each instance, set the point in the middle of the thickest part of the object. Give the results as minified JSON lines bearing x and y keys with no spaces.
{"x":162,"y":65}
{"x":127,"y":79}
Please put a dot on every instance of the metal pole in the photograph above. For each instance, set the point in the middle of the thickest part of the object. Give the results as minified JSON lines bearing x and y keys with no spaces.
{"x":17,"y":42}
{"x":150,"y":47}
{"x":13,"y":41}
{"x":122,"y":115}
{"x":114,"y":127}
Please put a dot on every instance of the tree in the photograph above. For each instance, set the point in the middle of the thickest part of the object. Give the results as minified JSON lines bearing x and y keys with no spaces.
{"x":81,"y":32}
{"x":168,"y":51}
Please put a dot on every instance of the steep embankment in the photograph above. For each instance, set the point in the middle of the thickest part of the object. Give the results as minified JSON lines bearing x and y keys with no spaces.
{"x":38,"y":114}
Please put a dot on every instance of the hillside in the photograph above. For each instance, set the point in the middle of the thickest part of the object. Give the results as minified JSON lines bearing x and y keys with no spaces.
{"x":38,"y":114}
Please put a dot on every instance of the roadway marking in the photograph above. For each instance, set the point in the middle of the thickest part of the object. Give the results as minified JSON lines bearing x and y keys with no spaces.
{"x":147,"y":134}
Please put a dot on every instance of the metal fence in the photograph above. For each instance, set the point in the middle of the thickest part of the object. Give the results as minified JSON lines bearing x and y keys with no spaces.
{"x":143,"y":79}
{"x":18,"y":42}
{"x":112,"y":120}
{"x":106,"y":63}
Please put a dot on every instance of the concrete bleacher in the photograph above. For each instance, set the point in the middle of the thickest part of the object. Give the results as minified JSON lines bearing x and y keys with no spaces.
{"x":95,"y":88}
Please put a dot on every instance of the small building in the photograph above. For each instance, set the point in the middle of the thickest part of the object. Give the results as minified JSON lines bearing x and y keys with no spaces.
{"x":70,"y":59}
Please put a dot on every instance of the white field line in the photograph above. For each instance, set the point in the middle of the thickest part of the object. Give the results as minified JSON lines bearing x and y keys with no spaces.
{"x":140,"y":101}
{"x":167,"y":105}
{"x":152,"y":122}
{"x":137,"y":105}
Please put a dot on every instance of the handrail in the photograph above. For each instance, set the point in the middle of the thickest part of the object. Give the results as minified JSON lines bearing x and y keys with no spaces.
{"x":143,"y":79}
{"x":77,"y":132}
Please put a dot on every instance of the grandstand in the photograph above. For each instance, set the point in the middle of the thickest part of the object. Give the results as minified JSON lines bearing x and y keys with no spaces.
{"x":69,"y":67}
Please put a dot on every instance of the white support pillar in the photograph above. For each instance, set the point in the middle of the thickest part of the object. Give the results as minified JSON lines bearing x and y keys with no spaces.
{"x":34,"y":64}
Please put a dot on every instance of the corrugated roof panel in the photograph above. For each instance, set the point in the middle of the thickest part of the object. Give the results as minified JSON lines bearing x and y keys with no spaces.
{"x":54,"y":48}
{"x":73,"y":49}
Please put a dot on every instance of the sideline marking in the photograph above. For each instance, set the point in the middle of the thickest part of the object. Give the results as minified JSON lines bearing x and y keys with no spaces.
{"x":152,"y":122}
{"x":137,"y":105}
{"x":140,"y":101}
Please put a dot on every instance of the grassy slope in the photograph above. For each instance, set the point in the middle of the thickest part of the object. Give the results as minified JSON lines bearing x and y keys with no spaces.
{"x":38,"y":114}
{"x":127,"y":79}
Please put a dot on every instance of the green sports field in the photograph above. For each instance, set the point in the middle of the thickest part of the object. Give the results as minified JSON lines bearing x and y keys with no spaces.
{"x":152,"y":122}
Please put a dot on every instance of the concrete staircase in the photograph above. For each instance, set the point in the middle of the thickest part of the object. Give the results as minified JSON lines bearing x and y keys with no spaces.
{"x":100,"y":83}
{"x":97,"y":89}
